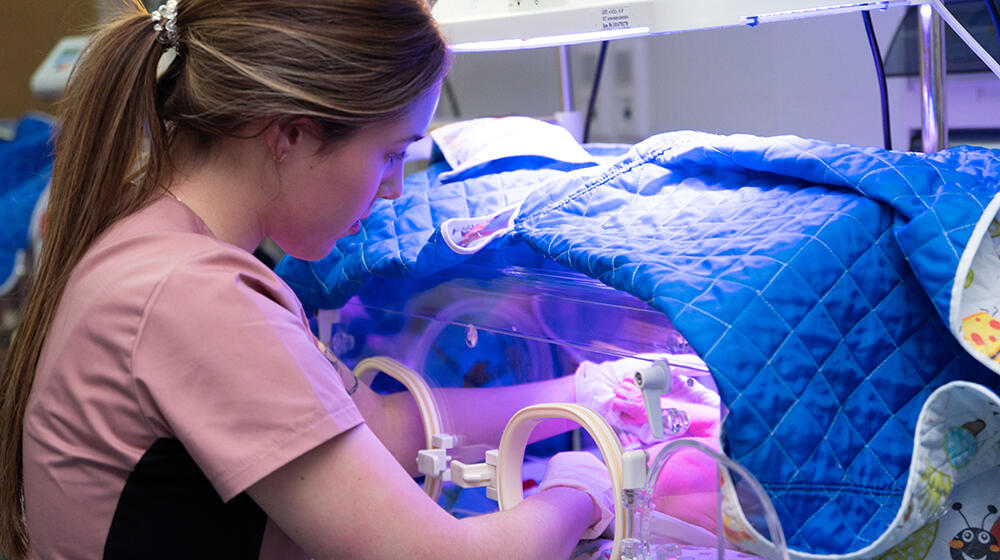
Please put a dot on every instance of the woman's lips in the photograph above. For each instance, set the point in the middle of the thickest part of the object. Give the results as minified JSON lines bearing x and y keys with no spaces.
{"x":356,"y":226}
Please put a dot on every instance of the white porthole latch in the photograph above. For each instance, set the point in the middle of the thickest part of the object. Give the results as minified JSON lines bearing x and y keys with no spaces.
{"x":433,"y":462}
{"x":478,"y":474}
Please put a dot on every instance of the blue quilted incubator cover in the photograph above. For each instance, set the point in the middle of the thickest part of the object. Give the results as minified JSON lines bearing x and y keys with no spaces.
{"x":26,"y":164}
{"x":819,"y":282}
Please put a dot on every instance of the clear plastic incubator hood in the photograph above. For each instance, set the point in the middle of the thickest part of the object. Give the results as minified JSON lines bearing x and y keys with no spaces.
{"x":473,"y":325}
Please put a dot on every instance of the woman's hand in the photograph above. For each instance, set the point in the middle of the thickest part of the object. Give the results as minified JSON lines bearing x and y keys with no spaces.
{"x":585,"y":472}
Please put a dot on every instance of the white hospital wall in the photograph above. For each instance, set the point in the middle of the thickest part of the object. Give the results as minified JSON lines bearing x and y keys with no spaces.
{"x":813,"y":78}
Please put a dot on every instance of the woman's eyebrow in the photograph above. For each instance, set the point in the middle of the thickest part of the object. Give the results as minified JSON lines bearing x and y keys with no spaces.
{"x":412,"y":138}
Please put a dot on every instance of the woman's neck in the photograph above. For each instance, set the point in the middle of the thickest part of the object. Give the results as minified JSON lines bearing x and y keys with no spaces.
{"x":224,"y":187}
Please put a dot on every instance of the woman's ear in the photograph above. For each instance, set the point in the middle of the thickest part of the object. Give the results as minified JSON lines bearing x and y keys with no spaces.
{"x":291,"y":136}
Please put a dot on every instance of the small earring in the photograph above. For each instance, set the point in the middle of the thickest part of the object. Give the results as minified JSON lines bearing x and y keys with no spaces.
{"x":280,"y":158}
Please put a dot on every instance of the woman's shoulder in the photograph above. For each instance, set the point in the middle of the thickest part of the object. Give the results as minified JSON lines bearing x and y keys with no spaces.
{"x":166,"y":234}
{"x":165,"y":242}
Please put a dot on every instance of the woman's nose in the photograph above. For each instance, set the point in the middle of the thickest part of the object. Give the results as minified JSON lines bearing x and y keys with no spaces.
{"x":392,"y":183}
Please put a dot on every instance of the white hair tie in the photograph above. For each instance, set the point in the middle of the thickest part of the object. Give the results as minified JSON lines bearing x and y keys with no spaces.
{"x":165,"y":23}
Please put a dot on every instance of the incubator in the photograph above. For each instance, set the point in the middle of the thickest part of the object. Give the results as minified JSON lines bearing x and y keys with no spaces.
{"x":509,"y":317}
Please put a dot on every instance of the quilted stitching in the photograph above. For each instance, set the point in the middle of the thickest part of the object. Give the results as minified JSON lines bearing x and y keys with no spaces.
{"x":818,"y":310}
{"x":861,"y":307}
{"x":398,"y":239}
{"x":27,"y":164}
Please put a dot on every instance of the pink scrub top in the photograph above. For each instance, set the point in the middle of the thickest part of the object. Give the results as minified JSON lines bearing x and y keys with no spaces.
{"x":178,"y":371}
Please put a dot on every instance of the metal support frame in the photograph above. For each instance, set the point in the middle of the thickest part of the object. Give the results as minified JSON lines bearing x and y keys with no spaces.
{"x":933,"y":70}
{"x":566,"y":74}
{"x":933,"y":67}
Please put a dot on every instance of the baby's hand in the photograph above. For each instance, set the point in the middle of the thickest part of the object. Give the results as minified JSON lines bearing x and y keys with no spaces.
{"x":628,"y":402}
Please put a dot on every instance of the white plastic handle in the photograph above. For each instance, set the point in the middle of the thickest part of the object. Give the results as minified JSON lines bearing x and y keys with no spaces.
{"x":429,"y":413}
{"x":515,"y":438}
{"x":654,"y":381}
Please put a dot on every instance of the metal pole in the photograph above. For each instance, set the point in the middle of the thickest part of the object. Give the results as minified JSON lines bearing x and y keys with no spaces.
{"x":566,"y":72}
{"x":932,"y":72}
{"x":966,"y":37}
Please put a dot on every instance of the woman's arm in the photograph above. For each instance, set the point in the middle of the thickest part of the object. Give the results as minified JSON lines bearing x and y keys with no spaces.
{"x":477,"y":415}
{"x":348,"y":499}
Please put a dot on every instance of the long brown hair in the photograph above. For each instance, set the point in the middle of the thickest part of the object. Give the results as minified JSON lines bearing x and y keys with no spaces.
{"x":345,"y":63}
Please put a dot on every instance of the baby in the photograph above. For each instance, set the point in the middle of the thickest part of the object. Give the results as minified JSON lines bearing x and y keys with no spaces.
{"x":687,"y":485}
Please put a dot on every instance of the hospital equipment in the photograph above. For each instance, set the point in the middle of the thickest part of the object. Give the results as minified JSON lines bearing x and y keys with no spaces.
{"x":50,"y":78}
{"x":26,"y":162}
{"x":809,"y":279}
{"x":475,"y":25}
{"x":484,"y":319}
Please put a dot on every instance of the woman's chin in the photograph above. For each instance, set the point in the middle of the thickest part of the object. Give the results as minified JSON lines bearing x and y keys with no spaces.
{"x":314,"y":253}
{"x":310,"y":253}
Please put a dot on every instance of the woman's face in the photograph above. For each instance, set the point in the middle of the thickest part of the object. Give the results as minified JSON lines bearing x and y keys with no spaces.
{"x":324,"y":194}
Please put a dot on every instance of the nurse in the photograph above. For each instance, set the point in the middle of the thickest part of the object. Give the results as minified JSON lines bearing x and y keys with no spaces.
{"x":163,"y":397}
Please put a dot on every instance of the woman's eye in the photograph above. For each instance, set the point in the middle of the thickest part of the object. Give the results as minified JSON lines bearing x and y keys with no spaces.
{"x":396,"y":157}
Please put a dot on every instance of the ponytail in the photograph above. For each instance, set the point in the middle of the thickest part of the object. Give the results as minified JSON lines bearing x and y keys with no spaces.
{"x":107,"y":116}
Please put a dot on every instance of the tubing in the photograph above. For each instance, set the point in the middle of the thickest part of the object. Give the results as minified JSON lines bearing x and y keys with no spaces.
{"x":777,"y":535}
